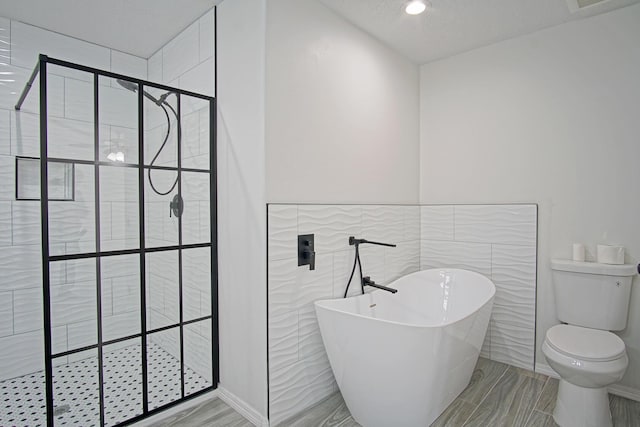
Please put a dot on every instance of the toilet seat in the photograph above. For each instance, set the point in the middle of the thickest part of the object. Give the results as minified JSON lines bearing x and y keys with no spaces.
{"x":585,"y":344}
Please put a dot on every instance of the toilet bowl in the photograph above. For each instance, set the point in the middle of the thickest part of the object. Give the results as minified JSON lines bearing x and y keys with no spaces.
{"x":587,"y":361}
{"x":591,"y":300}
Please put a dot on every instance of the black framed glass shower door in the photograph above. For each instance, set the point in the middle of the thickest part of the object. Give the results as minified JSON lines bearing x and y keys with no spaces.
{"x":130,"y":264}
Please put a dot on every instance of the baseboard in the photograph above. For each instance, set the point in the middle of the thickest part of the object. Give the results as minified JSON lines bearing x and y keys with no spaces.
{"x":159,"y":417}
{"x":617,"y":389}
{"x":244,"y":409}
{"x":543,"y":368}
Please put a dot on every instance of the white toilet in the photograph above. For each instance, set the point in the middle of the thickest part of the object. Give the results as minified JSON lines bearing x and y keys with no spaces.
{"x":592,"y":299}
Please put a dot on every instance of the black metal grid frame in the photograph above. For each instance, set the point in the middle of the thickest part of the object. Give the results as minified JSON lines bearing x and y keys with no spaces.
{"x":47,"y":258}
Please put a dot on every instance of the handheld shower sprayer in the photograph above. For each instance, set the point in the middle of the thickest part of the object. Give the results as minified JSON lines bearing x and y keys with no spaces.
{"x":162,"y":103}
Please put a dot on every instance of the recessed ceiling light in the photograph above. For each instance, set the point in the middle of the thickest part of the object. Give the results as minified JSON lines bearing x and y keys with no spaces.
{"x":416,"y":7}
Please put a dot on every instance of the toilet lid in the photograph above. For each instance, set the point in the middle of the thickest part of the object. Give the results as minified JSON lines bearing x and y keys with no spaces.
{"x":585,"y":343}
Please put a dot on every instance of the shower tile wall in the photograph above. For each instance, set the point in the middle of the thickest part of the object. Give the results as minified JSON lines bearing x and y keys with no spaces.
{"x":498,"y":241}
{"x":299,"y":371}
{"x":72,"y":228}
{"x":186,"y":62}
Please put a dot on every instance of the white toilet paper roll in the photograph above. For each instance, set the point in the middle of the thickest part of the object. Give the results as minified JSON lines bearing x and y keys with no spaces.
{"x":610,"y":254}
{"x":578,"y":252}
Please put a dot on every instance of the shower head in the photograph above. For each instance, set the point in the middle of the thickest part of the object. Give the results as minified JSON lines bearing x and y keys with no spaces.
{"x":133,"y":87}
{"x":128,"y":85}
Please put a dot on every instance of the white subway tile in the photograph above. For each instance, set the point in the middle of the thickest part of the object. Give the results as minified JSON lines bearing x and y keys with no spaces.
{"x":21,"y":267}
{"x":283,"y":232}
{"x":200,"y":79}
{"x":129,"y":65}
{"x":207,"y":35}
{"x":25,"y":228}
{"x":503,"y":224}
{"x":154,"y":67}
{"x":5,"y":40}
{"x":6,"y":314}
{"x":197,"y":350}
{"x":78,"y":97}
{"x":118,"y":107}
{"x":436,"y":222}
{"x":21,"y":354}
{"x":25,"y":134}
{"x":470,"y":256}
{"x":182,"y":53}
{"x":29,"y":41}
{"x":73,"y":302}
{"x":121,"y":325}
{"x":27,"y":314}
{"x":10,"y":91}
{"x":82,"y":334}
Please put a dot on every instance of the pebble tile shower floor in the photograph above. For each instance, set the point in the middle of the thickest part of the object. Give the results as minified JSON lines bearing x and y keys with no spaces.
{"x":76,"y":389}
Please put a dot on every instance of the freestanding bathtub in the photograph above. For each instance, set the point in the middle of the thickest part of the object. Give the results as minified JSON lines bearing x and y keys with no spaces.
{"x":401,"y":359}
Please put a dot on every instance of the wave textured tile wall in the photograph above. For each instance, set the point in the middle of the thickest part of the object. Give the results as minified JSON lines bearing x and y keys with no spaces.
{"x":299,"y":370}
{"x":498,"y":241}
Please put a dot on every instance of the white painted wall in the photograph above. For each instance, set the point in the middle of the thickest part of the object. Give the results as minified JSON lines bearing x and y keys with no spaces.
{"x":242,"y":207}
{"x":341,"y":111}
{"x":548,"y":118}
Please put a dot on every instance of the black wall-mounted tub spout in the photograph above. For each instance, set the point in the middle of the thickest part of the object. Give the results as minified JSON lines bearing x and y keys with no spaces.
{"x":366,"y":281}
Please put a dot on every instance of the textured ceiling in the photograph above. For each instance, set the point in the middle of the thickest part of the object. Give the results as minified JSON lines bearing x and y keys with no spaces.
{"x":453,"y":26}
{"x":139,"y":27}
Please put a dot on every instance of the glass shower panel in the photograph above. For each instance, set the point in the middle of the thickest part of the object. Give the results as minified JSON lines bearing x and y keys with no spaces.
{"x":161,"y":225}
{"x":122,"y":367}
{"x":163,"y":367}
{"x":119,"y":201}
{"x":73,"y":305}
{"x":198,"y":358}
{"x":72,"y":223}
{"x":72,"y":136}
{"x":162,"y":290}
{"x":76,"y":396}
{"x":196,"y":283}
{"x":120,"y":288}
{"x":195,"y":132}
{"x":196,"y":218}
{"x":118,"y":116}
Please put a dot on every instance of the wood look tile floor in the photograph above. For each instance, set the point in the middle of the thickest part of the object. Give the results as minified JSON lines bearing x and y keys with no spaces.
{"x":498,"y":395}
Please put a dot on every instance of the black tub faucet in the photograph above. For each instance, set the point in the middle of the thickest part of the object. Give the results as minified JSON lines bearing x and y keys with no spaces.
{"x":365,"y":281}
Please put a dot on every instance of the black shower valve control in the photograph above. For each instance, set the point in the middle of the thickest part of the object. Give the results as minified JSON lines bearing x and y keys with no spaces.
{"x":306,"y":251}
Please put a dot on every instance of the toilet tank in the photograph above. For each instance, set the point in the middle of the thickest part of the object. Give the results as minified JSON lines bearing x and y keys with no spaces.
{"x":592,"y":295}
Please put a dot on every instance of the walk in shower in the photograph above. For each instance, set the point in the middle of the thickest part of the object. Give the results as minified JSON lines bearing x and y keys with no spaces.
{"x":111,"y":282}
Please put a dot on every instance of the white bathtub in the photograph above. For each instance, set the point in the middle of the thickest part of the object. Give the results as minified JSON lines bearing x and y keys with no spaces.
{"x":401,"y":359}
